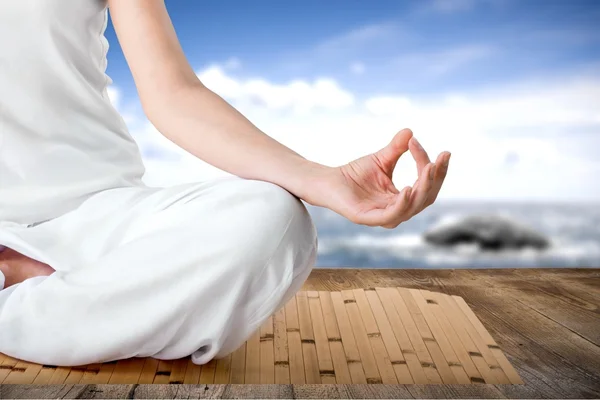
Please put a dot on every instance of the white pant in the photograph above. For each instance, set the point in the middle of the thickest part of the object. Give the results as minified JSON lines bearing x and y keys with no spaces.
{"x":192,"y":269}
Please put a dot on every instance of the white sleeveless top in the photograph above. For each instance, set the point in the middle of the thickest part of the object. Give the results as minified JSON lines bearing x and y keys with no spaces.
{"x":61,"y":140}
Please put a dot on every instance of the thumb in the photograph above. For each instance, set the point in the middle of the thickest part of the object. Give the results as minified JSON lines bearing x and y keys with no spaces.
{"x":389,"y":155}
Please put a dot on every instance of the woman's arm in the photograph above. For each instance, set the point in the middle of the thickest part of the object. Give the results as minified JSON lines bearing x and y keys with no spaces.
{"x":191,"y":115}
{"x":201,"y":122}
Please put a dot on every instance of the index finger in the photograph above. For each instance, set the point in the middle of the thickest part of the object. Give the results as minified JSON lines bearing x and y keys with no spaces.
{"x":419,"y":154}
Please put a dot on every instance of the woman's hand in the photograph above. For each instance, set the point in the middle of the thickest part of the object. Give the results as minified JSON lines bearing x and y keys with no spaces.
{"x":363,"y":191}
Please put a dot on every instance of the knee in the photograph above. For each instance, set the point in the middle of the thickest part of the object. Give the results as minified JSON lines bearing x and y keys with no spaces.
{"x":284,"y":221}
{"x":274,"y":208}
{"x":275,"y":204}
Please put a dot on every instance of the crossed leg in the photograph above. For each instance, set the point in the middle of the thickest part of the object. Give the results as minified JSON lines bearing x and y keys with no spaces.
{"x":188,"y":270}
{"x":17,"y":267}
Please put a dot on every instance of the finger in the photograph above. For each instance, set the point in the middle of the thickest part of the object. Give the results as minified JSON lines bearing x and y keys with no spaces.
{"x":440,"y":175}
{"x":386,"y":217}
{"x":422,"y":189}
{"x":390,"y":154}
{"x":398,"y":213}
{"x":419,"y":154}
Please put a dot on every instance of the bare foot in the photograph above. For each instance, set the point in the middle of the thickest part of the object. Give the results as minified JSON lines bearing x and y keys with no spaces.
{"x":17,"y":267}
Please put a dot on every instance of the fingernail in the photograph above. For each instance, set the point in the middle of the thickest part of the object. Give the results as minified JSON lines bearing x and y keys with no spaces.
{"x":417,"y":142}
{"x":407,"y":193}
{"x":447,"y":161}
{"x":432,"y":172}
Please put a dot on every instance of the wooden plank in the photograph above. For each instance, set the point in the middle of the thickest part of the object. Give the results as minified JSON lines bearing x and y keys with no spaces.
{"x":338,"y":357}
{"x":45,"y":374}
{"x":413,"y":363}
{"x":40,"y":391}
{"x":426,"y":347}
{"x":31,"y":373}
{"x":530,"y":342}
{"x":91,"y":371}
{"x":294,"y":343}
{"x":103,"y":375}
{"x":459,"y":349}
{"x":177,"y":372}
{"x":60,"y":375}
{"x":255,"y":392}
{"x":252,"y":359}
{"x":238,"y":365}
{"x":162,"y":391}
{"x":192,"y":373}
{"x":6,"y":365}
{"x":199,"y":391}
{"x":575,"y":288}
{"x":267,"y":356}
{"x":3,"y":357}
{"x":474,"y":345}
{"x":282,"y":361}
{"x":389,"y":339}
{"x":75,"y":375}
{"x":325,"y":362}
{"x":362,"y":339}
{"x":23,"y":373}
{"x":373,"y":392}
{"x":223,"y":371}
{"x":508,"y":369}
{"x":557,"y":301}
{"x":550,"y":358}
{"x":334,"y":279}
{"x":439,"y":335}
{"x":420,"y":332}
{"x":207,"y":373}
{"x":148,"y":371}
{"x":384,"y":364}
{"x":309,"y":350}
{"x":163,"y":372}
{"x":126,"y":371}
{"x":367,"y":317}
{"x":348,"y":340}
{"x":481,"y":391}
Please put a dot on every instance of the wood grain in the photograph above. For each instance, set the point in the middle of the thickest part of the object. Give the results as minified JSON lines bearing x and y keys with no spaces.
{"x":540,"y":327}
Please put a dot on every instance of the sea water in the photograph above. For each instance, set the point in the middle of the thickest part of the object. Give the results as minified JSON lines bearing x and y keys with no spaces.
{"x":573,"y":230}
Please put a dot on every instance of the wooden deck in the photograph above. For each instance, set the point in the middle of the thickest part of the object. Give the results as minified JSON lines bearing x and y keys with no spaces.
{"x":546,"y":321}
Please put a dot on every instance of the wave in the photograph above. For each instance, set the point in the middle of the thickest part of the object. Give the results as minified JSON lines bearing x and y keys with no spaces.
{"x":412,"y":249}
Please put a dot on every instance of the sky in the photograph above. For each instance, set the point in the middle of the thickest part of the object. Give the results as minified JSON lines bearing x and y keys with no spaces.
{"x":510,"y":87}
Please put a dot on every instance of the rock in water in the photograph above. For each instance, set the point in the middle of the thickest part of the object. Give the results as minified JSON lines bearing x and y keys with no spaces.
{"x":490,"y":232}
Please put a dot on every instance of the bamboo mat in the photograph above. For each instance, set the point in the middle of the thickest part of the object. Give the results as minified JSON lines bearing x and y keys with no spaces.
{"x":381,"y":335}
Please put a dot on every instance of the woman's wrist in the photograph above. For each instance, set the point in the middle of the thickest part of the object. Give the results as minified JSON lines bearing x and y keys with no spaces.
{"x":305,"y":179}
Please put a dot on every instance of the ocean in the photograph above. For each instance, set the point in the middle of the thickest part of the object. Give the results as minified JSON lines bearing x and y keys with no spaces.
{"x":572,"y":229}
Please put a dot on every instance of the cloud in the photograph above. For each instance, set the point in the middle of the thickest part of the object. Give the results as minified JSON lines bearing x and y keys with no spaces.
{"x":437,"y":63}
{"x":568,"y":105}
{"x":449,"y":6}
{"x":373,"y":41}
{"x":503,"y":139}
{"x":388,"y":105}
{"x":298,"y":95}
{"x":114,"y":95}
{"x":359,"y":37}
{"x":457,"y":6}
{"x":232,"y":63}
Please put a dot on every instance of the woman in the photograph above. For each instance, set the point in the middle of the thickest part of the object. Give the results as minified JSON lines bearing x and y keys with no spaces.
{"x":96,"y":265}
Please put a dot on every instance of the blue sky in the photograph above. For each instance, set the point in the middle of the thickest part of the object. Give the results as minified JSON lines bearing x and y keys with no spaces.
{"x":527,"y":71}
{"x":491,"y":41}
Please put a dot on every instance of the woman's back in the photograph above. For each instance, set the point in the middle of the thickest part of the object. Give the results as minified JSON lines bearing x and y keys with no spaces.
{"x":60,"y":138}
